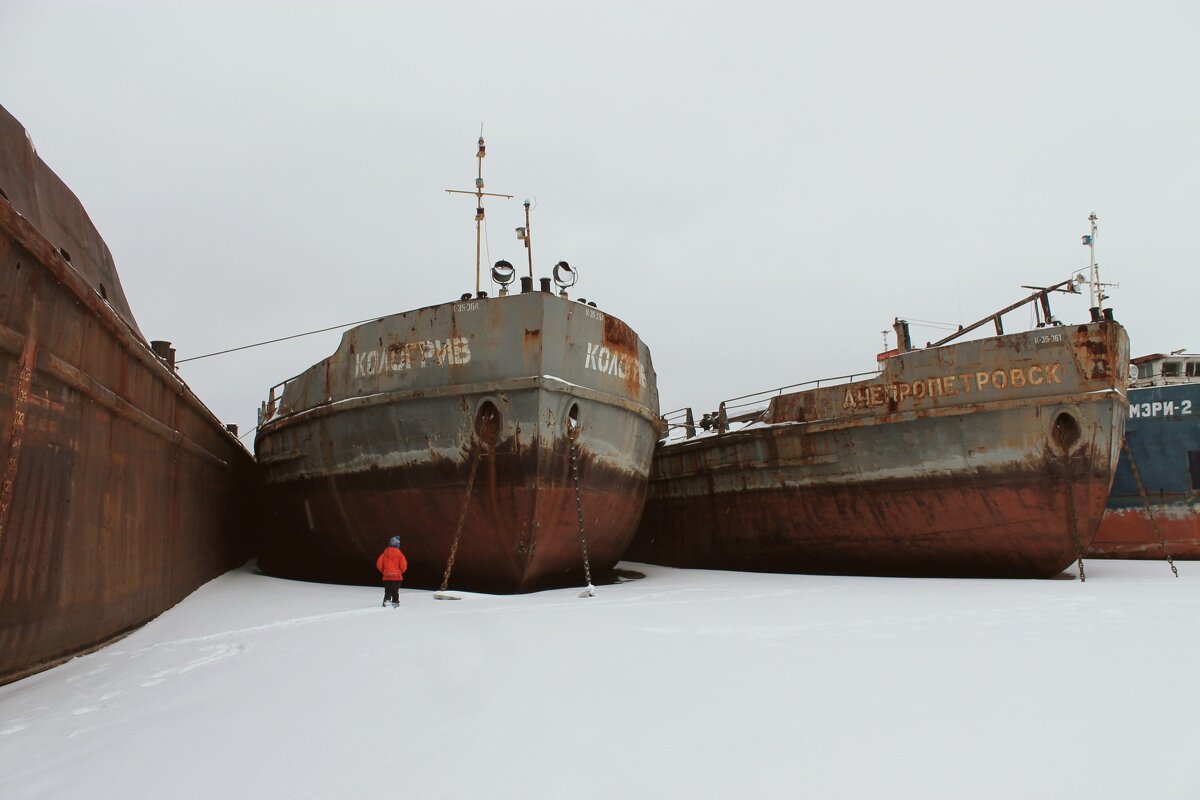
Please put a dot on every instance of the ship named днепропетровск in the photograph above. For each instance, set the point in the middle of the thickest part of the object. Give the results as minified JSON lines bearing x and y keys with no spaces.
{"x":121,"y":492}
{"x":1154,"y":507}
{"x":990,"y":457}
{"x":510,"y":433}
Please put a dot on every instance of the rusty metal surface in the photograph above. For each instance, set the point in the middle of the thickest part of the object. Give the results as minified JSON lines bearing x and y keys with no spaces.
{"x":963,"y":460}
{"x":121,"y":492}
{"x":1127,"y":533}
{"x":378,"y":439}
{"x":44,"y":200}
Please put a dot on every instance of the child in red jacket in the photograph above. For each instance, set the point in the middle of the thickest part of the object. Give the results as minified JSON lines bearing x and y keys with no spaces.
{"x":392,"y":564}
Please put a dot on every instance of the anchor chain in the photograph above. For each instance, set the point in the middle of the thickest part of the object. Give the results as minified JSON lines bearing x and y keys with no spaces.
{"x":1071,"y":518}
{"x":572,"y":434}
{"x":461,"y":519}
{"x":1146,"y":502}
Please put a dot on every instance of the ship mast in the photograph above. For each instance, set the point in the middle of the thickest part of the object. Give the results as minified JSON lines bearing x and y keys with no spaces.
{"x":1095,"y":292}
{"x":479,"y":195}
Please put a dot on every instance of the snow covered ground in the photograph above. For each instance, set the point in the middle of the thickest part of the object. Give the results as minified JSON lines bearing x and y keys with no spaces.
{"x":684,"y":684}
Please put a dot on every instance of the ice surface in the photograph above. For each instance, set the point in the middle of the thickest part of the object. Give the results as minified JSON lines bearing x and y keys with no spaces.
{"x":684,"y":684}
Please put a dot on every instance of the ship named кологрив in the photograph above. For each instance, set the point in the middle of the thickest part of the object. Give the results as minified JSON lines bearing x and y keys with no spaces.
{"x":990,"y":457}
{"x":507,"y":437}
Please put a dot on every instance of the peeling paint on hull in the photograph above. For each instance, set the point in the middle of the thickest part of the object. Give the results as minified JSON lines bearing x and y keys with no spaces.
{"x":863,"y":479}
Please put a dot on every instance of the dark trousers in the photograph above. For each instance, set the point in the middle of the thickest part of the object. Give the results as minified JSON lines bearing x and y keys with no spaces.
{"x":391,"y":591}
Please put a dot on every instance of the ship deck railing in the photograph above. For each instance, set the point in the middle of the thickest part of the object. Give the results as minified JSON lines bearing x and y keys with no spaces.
{"x":272,"y":407}
{"x":744,"y":409}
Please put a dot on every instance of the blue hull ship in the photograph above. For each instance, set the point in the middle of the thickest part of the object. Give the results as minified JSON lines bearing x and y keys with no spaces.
{"x":1154,"y":507}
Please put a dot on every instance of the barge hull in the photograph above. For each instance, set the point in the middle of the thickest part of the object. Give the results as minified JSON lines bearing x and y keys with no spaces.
{"x":967,"y":528}
{"x":490,"y":557}
{"x":881,"y":478}
{"x":121,"y":493}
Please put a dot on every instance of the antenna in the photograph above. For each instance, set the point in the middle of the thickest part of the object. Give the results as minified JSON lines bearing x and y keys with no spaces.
{"x":479,"y":195}
{"x":526,"y":235}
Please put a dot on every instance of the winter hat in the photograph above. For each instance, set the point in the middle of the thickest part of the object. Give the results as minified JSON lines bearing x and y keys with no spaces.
{"x":394,"y":541}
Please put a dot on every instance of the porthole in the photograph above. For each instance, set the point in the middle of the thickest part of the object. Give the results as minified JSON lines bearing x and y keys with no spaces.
{"x":1066,"y":431}
{"x":487,"y":423}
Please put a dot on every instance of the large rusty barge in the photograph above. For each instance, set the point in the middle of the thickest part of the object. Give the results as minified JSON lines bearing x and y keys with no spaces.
{"x":121,"y":493}
{"x":508,"y":436}
{"x":1154,"y":507}
{"x":990,"y":457}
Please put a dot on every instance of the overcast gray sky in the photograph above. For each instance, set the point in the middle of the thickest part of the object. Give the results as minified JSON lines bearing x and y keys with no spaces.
{"x":756,"y":188}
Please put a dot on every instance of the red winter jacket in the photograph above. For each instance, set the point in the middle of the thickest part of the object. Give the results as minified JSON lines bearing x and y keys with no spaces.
{"x":392,"y":564}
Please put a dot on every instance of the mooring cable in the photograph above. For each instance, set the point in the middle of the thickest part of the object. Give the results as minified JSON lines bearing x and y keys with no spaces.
{"x":273,"y":341}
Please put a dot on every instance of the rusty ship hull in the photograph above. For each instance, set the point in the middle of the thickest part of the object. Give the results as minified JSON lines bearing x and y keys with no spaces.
{"x":386,"y":436}
{"x":1155,"y":512}
{"x":121,"y":493}
{"x":986,"y":458}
